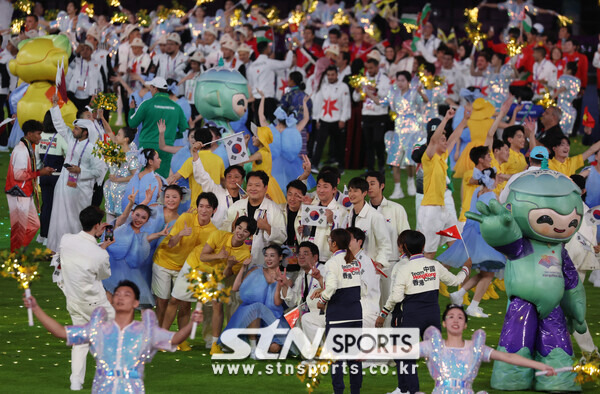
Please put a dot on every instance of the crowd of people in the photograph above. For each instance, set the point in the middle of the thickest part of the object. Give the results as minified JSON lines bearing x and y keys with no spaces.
{"x":424,"y":102}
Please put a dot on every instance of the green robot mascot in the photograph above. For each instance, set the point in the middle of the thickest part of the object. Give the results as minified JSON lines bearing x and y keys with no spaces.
{"x":546,"y":299}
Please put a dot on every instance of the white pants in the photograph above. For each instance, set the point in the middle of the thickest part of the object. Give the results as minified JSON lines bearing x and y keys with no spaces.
{"x":80,"y":315}
{"x":310,"y":322}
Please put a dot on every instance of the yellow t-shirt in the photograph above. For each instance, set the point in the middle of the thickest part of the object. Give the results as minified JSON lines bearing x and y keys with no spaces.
{"x":174,"y":258}
{"x":516,"y":163}
{"x":467,"y":194}
{"x":212,"y":163}
{"x":434,"y":178}
{"x":217,"y":241}
{"x":498,"y":167}
{"x":570,"y":165}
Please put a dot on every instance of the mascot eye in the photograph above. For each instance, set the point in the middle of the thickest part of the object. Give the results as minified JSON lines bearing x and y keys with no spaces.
{"x":545,"y":219}
{"x":574,"y":223}
{"x":240,"y":102}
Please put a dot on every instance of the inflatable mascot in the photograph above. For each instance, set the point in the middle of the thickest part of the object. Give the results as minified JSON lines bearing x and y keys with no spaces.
{"x":542,"y":212}
{"x":36,"y":64}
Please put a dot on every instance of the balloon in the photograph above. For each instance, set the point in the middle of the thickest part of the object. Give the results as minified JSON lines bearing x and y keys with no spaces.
{"x":36,"y":63}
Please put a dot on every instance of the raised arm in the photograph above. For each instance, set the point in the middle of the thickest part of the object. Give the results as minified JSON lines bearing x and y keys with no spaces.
{"x":53,"y":327}
{"x":455,"y":136}
{"x":302,"y":124}
{"x":162,"y":145}
{"x":591,"y":150}
{"x":489,"y":139}
{"x":58,"y":121}
{"x":106,"y":125}
{"x":261,"y":110}
{"x":431,"y":147}
{"x":240,"y":276}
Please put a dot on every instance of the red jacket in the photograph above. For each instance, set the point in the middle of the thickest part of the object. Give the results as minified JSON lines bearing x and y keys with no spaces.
{"x":20,"y":179}
{"x":582,"y":66}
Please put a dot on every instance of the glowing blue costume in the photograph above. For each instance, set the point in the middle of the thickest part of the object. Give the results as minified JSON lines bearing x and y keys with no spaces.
{"x":113,"y":191}
{"x":498,"y":85}
{"x":565,"y":101}
{"x":453,"y":369}
{"x":121,"y":354}
{"x":407,"y":130}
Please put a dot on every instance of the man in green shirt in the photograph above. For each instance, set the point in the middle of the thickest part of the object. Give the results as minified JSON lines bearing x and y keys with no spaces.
{"x":160,"y":106}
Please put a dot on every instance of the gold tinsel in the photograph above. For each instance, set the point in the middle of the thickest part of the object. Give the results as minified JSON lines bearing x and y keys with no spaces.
{"x":513,"y":48}
{"x":340,"y":18}
{"x":564,"y":20}
{"x":309,"y":6}
{"x":208,"y":287}
{"x":178,"y":10}
{"x":313,"y":381}
{"x":107,"y":101}
{"x":200,"y":2}
{"x":114,"y":3}
{"x":162,"y":13}
{"x":588,"y":372}
{"x":16,"y":25}
{"x":119,"y":17}
{"x":429,"y":81}
{"x":50,"y":15}
{"x":546,"y":101}
{"x":89,"y":8}
{"x":109,"y":151}
{"x":22,"y":265}
{"x":236,"y":19}
{"x":472,"y":14}
{"x":296,"y":17}
{"x":410,"y":27}
{"x":473,"y":28}
{"x":25,"y":6}
{"x":143,"y":19}
{"x":272,"y":14}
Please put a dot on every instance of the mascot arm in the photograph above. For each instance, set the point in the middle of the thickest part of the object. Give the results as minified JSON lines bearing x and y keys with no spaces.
{"x":574,"y":299}
{"x":498,"y":227}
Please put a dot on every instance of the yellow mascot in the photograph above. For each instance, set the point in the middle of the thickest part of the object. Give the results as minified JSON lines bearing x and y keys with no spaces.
{"x":36,"y":63}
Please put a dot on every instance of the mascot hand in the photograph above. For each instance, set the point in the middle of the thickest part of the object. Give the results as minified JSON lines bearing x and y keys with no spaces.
{"x":498,"y":227}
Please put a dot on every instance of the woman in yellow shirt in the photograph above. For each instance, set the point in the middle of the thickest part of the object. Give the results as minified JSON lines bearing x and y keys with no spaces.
{"x":561,"y":161}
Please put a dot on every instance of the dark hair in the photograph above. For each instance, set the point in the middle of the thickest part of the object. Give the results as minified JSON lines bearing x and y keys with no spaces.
{"x":346,"y":56}
{"x":334,"y":170}
{"x":144,"y":208}
{"x":48,"y":123}
{"x":335,"y":32}
{"x":401,"y":240}
{"x":131,"y":285}
{"x":311,"y":28}
{"x":357,"y":234}
{"x":32,"y":16}
{"x":90,"y":216}
{"x":500,"y":56}
{"x":239,"y":168}
{"x":210,"y":197}
{"x":572,"y":41}
{"x":250,"y":223}
{"x":177,"y":188}
{"x":356,"y":66}
{"x":149,"y":154}
{"x":541,"y":50}
{"x":429,"y":67}
{"x":377,"y":175}
{"x":80,"y":112}
{"x":373,"y":61}
{"x":204,"y":135}
{"x":262,"y":46}
{"x":129,"y":133}
{"x":448,"y":51}
{"x":31,"y":126}
{"x":275,"y":247}
{"x":311,"y":246}
{"x":297,"y":184}
{"x":572,"y":66}
{"x":331,"y":68}
{"x":358,"y":183}
{"x":341,"y":238}
{"x":449,"y":307}
{"x":498,"y":144}
{"x":297,"y":78}
{"x":414,"y":242}
{"x":514,"y":32}
{"x":405,"y":74}
{"x":580,"y":182}
{"x":259,"y":174}
{"x":510,"y":132}
{"x":328,"y":177}
{"x":478,"y":152}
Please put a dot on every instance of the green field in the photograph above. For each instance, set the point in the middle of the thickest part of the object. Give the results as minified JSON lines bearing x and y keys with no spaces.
{"x":32,"y":361}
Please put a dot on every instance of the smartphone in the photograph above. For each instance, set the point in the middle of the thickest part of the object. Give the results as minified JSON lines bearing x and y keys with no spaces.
{"x":67,"y":165}
{"x":109,"y":234}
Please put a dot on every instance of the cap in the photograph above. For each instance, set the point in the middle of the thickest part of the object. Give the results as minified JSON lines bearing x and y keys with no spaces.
{"x":174,"y":37}
{"x":229,"y":44}
{"x":159,"y":83}
{"x":333,"y":48}
{"x":538,"y":27}
{"x":14,"y":41}
{"x":244,"y":48}
{"x":433,"y":124}
{"x":539,"y":153}
{"x":374,"y":54}
{"x":88,"y":44}
{"x":128,"y":30}
{"x":137,"y":43}
{"x":93,"y":32}
{"x":197,"y":57}
{"x":225,"y":37}
{"x":210,"y":30}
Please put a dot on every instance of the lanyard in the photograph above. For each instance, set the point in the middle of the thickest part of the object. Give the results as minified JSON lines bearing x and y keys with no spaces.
{"x":82,"y":152}
{"x":81,"y":69}
{"x":48,"y":149}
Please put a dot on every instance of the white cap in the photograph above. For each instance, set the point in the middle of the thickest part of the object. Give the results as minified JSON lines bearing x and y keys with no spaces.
{"x":229,"y":44}
{"x":210,"y":30}
{"x":538,"y":27}
{"x":244,"y":48}
{"x":159,"y":83}
{"x":137,"y":42}
{"x":374,"y":54}
{"x":197,"y":57}
{"x":333,"y":48}
{"x":88,"y":44}
{"x":174,"y":37}
{"x":128,"y":30}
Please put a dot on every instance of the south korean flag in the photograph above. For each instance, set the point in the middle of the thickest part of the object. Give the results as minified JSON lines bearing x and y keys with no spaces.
{"x":236,"y":149}
{"x":313,"y":215}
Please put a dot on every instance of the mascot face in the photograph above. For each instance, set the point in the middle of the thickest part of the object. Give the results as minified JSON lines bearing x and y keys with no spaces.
{"x":221,"y":95}
{"x":38,"y":58}
{"x":546,"y":205}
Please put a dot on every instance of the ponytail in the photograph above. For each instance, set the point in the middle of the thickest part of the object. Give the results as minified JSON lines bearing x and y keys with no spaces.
{"x":341,"y":238}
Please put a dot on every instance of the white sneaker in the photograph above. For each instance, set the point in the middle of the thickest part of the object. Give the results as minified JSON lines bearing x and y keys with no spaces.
{"x":475,"y":312}
{"x":456,"y":299}
{"x":76,"y":387}
{"x":397,"y":194}
{"x":411,"y":188}
{"x":397,"y":391}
